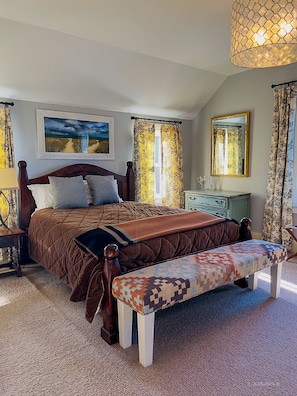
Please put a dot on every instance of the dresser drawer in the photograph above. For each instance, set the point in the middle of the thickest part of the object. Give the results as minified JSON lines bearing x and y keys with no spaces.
{"x":207,"y":200}
{"x":213,"y":211}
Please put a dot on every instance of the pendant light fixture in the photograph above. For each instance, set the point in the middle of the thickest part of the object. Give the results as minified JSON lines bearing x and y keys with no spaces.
{"x":264,"y":33}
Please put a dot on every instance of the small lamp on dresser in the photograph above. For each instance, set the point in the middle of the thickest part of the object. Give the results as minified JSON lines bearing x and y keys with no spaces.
{"x":10,"y":237}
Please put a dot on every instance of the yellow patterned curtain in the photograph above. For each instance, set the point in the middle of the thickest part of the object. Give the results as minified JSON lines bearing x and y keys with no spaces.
{"x":7,"y":161}
{"x":234,"y":151}
{"x":144,"y":147}
{"x":227,"y":151}
{"x":172,"y":166}
{"x":219,"y":151}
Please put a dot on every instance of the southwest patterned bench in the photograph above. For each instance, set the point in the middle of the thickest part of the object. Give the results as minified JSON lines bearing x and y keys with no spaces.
{"x":160,"y":286}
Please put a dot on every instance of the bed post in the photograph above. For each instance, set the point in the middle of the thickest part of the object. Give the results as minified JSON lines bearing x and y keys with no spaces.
{"x":131,"y":181}
{"x":111,"y":268}
{"x":245,"y":229}
{"x":25,"y":208}
{"x":244,"y":235}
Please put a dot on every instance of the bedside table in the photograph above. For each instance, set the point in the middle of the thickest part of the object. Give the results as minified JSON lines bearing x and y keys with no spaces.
{"x":11,"y":238}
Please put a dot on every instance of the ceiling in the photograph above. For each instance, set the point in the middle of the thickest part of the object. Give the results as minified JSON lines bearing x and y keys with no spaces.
{"x":158,"y":57}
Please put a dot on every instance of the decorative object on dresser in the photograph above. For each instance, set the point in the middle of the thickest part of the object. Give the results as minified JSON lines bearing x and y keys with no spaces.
{"x":232,"y":204}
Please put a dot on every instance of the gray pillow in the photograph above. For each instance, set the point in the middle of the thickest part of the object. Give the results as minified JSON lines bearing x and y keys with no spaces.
{"x":68,"y":192}
{"x":103,"y":189}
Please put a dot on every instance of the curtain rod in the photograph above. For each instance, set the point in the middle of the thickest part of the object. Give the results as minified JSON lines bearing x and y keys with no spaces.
{"x":152,"y":119}
{"x":285,"y":83}
{"x":226,"y":126}
{"x":6,"y":104}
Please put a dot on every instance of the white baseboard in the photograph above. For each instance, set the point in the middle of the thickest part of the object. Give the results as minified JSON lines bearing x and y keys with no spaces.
{"x":256,"y":235}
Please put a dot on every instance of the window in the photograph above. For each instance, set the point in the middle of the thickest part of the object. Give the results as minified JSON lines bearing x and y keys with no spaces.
{"x":158,"y":163}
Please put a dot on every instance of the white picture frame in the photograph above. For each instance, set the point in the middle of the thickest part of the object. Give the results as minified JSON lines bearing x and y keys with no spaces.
{"x":64,"y":135}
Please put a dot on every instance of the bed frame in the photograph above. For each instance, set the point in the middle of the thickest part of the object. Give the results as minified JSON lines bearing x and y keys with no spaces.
{"x":126,"y":186}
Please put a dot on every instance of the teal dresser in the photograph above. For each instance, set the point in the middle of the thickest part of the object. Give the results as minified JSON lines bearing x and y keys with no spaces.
{"x":232,"y":204}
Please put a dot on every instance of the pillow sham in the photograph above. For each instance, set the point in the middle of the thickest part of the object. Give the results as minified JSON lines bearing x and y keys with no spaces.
{"x":68,"y":192}
{"x":103,"y":189}
{"x":42,"y":195}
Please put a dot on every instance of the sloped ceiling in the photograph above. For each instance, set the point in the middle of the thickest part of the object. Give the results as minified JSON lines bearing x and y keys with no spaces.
{"x":158,"y":57}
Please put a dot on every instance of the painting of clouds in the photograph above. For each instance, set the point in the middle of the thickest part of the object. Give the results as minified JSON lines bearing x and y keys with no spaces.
{"x":76,"y":136}
{"x":70,"y":135}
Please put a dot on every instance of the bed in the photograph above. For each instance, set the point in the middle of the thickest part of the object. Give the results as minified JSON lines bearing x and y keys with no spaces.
{"x":55,"y":234}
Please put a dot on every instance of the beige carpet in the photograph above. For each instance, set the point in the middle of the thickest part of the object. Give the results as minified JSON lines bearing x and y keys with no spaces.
{"x":227,"y":342}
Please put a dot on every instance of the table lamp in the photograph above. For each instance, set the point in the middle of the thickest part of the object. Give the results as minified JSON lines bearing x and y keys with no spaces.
{"x":8,"y":181}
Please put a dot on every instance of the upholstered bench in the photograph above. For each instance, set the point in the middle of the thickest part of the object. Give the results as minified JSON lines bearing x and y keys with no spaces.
{"x":160,"y":286}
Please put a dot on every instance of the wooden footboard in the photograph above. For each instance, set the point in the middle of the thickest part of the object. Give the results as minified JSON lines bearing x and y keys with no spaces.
{"x":111,"y":269}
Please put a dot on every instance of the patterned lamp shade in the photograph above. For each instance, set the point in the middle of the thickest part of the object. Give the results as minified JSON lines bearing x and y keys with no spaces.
{"x":264,"y":33}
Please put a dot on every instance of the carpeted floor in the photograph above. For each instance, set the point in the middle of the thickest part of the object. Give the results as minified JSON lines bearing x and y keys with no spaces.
{"x":227,"y":342}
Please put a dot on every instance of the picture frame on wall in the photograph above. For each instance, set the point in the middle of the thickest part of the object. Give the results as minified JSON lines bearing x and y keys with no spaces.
{"x":64,"y":135}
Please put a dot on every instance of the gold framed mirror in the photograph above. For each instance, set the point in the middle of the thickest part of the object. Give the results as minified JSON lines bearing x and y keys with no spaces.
{"x":229,"y":136}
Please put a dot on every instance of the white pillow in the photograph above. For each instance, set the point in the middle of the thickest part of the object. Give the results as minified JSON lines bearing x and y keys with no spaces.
{"x":117,"y":189}
{"x":42,"y":195}
{"x":88,"y":192}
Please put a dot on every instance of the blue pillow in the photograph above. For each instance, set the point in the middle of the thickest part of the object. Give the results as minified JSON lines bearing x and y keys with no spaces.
{"x":68,"y":192}
{"x":103,"y":189}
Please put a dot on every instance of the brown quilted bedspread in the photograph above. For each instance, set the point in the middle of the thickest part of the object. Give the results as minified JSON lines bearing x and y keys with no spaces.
{"x":51,"y":244}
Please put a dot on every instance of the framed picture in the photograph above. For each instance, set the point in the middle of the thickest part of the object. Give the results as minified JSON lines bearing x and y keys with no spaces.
{"x":63,"y":135}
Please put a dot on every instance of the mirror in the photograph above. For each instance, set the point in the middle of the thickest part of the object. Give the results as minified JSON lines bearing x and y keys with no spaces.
{"x":230,"y":144}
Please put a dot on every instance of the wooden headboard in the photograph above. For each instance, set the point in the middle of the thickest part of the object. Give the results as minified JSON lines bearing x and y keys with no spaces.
{"x":126,"y":185}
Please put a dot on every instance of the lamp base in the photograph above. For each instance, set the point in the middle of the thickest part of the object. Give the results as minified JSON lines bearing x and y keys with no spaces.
{"x":2,"y":222}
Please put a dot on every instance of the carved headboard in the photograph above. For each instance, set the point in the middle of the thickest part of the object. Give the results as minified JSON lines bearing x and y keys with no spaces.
{"x":126,"y":185}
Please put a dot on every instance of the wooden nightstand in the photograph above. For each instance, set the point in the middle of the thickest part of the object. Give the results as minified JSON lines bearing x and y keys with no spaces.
{"x":11,"y":238}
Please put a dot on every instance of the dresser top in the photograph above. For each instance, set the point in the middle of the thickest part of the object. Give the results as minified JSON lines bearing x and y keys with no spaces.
{"x":216,"y":193}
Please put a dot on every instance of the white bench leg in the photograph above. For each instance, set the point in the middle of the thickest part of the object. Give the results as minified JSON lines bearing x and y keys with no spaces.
{"x":125,"y":316}
{"x":276,"y":274}
{"x":253,"y":281}
{"x":146,"y":325}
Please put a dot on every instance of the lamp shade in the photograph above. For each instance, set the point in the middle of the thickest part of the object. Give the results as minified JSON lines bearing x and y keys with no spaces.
{"x":8,"y":180}
{"x":264,"y":33}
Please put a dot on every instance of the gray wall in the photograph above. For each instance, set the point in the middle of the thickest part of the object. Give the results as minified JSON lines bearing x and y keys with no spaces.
{"x":247,"y":91}
{"x":23,"y":116}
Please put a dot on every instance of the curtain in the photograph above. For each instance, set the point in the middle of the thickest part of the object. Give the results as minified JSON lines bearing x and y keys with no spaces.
{"x":234,"y":151}
{"x":144,"y":147}
{"x":9,"y":214}
{"x":172,"y":166}
{"x":171,"y":161}
{"x":227,"y":151}
{"x":219,"y":137}
{"x":278,"y":201}
{"x":7,"y":161}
